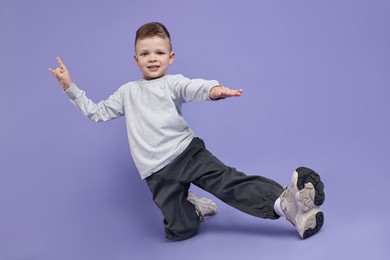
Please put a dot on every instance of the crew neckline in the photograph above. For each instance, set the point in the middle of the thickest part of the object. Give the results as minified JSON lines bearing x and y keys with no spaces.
{"x":142,"y":80}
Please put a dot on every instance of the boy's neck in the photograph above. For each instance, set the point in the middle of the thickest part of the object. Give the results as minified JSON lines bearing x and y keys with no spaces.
{"x":150,"y":79}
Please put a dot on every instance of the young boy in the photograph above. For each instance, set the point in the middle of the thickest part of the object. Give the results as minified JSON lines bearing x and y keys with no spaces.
{"x":170,"y":157}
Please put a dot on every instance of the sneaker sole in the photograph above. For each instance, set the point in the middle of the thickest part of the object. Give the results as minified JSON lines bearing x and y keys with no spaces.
{"x":319,"y":222}
{"x":306,"y":176}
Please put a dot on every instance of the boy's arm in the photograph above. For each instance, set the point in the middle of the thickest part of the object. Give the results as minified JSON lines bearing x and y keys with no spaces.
{"x":219,"y":92}
{"x":201,"y":89}
{"x":103,"y":111}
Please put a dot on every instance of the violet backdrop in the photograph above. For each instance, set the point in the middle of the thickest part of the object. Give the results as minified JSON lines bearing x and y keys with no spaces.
{"x":316,"y":76}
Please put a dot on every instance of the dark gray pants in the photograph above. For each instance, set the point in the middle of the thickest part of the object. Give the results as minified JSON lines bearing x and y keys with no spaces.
{"x":254,"y":195}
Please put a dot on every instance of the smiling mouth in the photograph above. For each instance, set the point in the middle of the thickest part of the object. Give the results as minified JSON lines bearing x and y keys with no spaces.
{"x":154,"y":67}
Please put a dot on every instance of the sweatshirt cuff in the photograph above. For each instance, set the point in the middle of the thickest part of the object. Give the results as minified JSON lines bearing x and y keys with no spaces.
{"x":73,"y":92}
{"x":213,"y":83}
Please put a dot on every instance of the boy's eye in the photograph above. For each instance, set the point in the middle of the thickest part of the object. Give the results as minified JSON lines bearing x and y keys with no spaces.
{"x":143,"y":54}
{"x":160,"y":53}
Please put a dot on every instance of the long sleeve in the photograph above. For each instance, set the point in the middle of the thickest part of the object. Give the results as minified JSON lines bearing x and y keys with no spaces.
{"x":192,"y":89}
{"x":105,"y":110}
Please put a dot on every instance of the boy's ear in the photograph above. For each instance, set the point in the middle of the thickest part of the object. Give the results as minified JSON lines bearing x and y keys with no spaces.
{"x":135,"y":58}
{"x":171,"y":57}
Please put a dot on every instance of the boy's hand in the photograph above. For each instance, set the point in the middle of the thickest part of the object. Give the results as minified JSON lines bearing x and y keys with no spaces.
{"x":62,"y":74}
{"x":219,"y":92}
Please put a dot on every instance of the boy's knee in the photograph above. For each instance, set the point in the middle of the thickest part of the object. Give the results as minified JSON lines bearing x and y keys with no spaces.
{"x":182,"y":230}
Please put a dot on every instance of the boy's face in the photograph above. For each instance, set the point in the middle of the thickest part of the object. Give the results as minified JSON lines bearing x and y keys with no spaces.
{"x":153,"y":56}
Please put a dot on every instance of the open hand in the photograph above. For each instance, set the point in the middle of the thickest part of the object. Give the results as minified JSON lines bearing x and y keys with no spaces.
{"x":62,"y":74}
{"x":219,"y":92}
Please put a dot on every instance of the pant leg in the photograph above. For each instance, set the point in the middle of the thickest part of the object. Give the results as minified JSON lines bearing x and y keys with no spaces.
{"x":254,"y":195}
{"x":180,"y":218}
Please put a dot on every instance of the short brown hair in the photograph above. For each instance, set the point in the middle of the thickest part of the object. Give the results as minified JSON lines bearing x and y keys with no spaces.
{"x":152,"y":29}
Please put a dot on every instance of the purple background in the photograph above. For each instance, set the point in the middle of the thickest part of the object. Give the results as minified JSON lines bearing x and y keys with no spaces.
{"x":316,"y":79}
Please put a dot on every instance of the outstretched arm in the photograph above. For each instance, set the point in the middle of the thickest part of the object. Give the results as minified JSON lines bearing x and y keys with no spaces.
{"x":62,"y":74}
{"x":219,"y":92}
{"x":105,"y":110}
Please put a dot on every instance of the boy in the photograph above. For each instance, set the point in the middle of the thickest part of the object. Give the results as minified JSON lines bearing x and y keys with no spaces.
{"x":170,"y":157}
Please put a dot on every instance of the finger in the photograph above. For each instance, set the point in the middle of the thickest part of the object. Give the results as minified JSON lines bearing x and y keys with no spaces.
{"x":60,"y":63}
{"x":237,"y":92}
{"x":232,"y":93}
{"x":53,"y":72}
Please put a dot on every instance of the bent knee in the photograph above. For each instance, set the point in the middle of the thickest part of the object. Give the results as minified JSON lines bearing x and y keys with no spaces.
{"x":182,"y":230}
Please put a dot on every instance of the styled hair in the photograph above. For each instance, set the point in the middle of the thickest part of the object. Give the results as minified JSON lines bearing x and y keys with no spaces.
{"x":152,"y":29}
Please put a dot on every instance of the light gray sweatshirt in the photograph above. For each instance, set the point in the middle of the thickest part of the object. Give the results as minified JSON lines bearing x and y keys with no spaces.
{"x":156,"y":129}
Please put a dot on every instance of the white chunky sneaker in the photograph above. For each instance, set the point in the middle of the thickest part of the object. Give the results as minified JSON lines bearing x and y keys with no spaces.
{"x":301,"y":202}
{"x":205,"y":207}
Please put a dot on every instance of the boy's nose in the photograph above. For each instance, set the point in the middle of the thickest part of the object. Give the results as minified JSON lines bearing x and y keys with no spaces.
{"x":152,"y":58}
